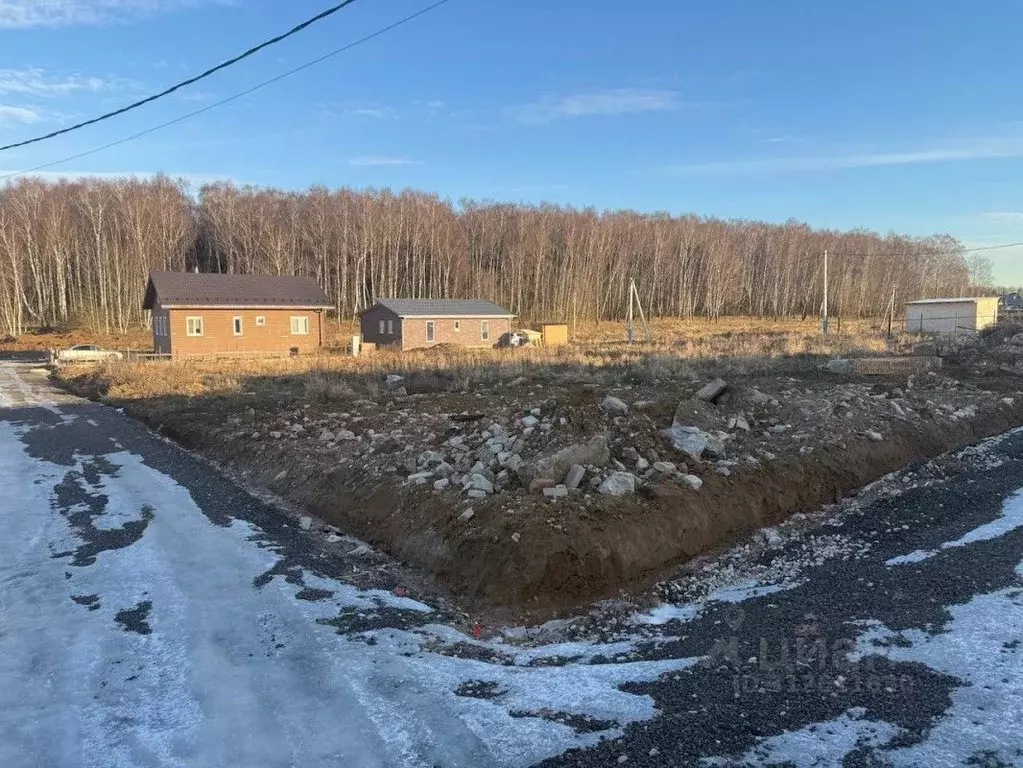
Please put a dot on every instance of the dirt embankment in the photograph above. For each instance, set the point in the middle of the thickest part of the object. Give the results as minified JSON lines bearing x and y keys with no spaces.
{"x":504,"y":560}
{"x":787,"y":445}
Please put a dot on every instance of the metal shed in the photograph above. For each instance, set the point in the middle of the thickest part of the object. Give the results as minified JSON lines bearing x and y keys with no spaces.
{"x":951,"y":316}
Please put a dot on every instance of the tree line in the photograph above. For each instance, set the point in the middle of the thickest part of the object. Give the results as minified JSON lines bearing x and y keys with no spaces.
{"x":79,"y":252}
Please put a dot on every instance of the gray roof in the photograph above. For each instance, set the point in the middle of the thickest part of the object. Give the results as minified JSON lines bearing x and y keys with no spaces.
{"x":444,"y":308}
{"x":207,"y":289}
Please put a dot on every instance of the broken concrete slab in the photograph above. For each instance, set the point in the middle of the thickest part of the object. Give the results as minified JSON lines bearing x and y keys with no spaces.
{"x":554,"y":466}
{"x":575,"y":476}
{"x":556,"y":492}
{"x":691,"y":441}
{"x":613,"y":405}
{"x":692,"y":481}
{"x":712,"y":390}
{"x":618,"y":484}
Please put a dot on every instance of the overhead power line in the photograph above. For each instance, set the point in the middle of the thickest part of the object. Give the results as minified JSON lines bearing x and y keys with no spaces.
{"x":234,"y":97}
{"x":929,"y":253}
{"x":212,"y":70}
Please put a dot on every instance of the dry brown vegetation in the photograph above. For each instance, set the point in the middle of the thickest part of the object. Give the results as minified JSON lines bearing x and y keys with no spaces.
{"x":78,"y":253}
{"x":681,"y":348}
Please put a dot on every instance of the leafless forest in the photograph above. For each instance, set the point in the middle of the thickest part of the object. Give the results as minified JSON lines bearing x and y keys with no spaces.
{"x":77,"y":253}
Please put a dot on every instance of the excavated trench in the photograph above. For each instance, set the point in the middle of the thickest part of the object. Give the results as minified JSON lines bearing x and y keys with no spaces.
{"x":626,"y":543}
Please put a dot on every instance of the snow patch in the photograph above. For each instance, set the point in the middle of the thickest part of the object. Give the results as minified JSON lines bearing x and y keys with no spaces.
{"x":981,"y":645}
{"x":1009,"y":520}
{"x":232,"y":673}
{"x":821,"y":745}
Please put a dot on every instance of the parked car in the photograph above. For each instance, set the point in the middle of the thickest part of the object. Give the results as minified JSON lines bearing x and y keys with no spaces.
{"x":86,"y":353}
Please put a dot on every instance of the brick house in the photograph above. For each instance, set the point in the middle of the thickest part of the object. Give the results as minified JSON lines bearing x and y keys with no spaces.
{"x":418,"y":323}
{"x":205,"y":313}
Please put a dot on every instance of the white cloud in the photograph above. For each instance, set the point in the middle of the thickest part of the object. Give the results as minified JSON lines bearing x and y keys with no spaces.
{"x":37,"y":82}
{"x":1012,"y":218}
{"x":20,"y":115}
{"x":24,"y":14}
{"x":369,"y":160}
{"x":380,"y":113}
{"x":983,"y":151}
{"x":615,"y":101}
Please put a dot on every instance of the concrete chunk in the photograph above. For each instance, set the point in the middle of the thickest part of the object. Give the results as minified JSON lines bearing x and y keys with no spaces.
{"x":556,"y":492}
{"x":575,"y":476}
{"x":692,"y":481}
{"x":618,"y":484}
{"x":712,"y":390}
{"x":554,"y":466}
{"x":614,"y":405}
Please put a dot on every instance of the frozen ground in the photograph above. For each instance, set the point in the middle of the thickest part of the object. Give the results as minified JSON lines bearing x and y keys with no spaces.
{"x":153,"y":614}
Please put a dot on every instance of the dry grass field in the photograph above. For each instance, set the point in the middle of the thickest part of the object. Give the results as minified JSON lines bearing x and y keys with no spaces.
{"x":679,"y":349}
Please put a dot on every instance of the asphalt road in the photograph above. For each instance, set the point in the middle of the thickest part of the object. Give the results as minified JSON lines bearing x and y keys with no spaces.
{"x":152,"y":613}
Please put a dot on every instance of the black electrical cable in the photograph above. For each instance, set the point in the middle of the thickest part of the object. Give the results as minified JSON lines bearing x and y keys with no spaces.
{"x":212,"y":70}
{"x":233,"y":97}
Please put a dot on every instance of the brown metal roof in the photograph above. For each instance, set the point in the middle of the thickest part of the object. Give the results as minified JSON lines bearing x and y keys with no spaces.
{"x":207,"y":289}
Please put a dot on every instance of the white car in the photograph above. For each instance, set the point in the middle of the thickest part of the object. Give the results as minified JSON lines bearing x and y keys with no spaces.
{"x":86,"y":353}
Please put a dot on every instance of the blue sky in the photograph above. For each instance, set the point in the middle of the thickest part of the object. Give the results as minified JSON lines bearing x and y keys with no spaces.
{"x":889,"y":116}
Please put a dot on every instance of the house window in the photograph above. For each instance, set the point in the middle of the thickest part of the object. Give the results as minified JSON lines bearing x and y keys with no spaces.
{"x":299,"y":325}
{"x":383,"y":327}
{"x":390,"y":327}
{"x":260,"y":321}
{"x":485,"y":330}
{"x":458,"y":326}
{"x":237,"y":326}
{"x":430,"y":330}
{"x":193,"y":326}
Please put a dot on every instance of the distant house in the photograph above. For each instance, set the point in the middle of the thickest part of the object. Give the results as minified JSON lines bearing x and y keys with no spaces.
{"x":951,"y":315}
{"x":417,"y":323}
{"x":204,"y":314}
{"x":1012,"y":302}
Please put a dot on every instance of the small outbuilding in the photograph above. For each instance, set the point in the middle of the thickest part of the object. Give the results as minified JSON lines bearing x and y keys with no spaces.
{"x":419,"y":323}
{"x":197,"y":314}
{"x":951,"y":316}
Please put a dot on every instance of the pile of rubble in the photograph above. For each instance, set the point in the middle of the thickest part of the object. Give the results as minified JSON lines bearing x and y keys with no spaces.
{"x":563,"y":444}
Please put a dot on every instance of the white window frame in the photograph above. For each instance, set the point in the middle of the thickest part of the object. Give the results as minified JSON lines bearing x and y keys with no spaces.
{"x":383,"y":327}
{"x":237,"y":328}
{"x":431,"y":330}
{"x":390,"y":327}
{"x":458,"y":326}
{"x":302,"y":324}
{"x":194,"y":326}
{"x":260,"y":321}
{"x":485,"y":330}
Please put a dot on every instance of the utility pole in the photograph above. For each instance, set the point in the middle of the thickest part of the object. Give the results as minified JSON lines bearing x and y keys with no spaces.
{"x":629,"y":332}
{"x":634,"y":296}
{"x":824,"y":320}
{"x":891,"y":313}
{"x":575,"y":292}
